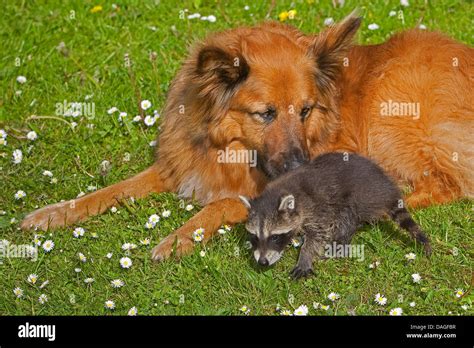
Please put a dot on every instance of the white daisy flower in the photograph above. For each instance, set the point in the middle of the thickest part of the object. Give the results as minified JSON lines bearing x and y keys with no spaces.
{"x":3,"y":134}
{"x":374,"y":264}
{"x":211,"y":18}
{"x":112,"y":110}
{"x":149,"y":225}
{"x":465,"y":307}
{"x":198,"y":235}
{"x":128,"y":246}
{"x":20,"y":194}
{"x":77,"y":270}
{"x":21,"y":79}
{"x":32,"y":136}
{"x":404,"y":3}
{"x":295,"y":242}
{"x":132,"y":312}
{"x":222,"y":231}
{"x":301,"y":310}
{"x":78,"y":232}
{"x":149,"y":120}
{"x":422,"y":27}
{"x":145,"y":241}
{"x":166,"y":213}
{"x":333,"y":296}
{"x":416,"y":278}
{"x":117,"y":283}
{"x":189,"y":207}
{"x":109,"y":255}
{"x":73,"y":125}
{"x":18,"y":292}
{"x":91,"y":188}
{"x":286,"y":313}
{"x":3,"y":141}
{"x":244,"y":309}
{"x":48,"y":173}
{"x":125,"y":262}
{"x":113,"y":210}
{"x":145,"y":104}
{"x":48,"y":245}
{"x":154,"y":219}
{"x":373,"y":26}
{"x":412,"y":304}
{"x":17,"y":156}
{"x":152,"y":143}
{"x":380,"y":299}
{"x":89,"y":280}
{"x":43,"y":299}
{"x":396,"y":311}
{"x":325,"y":307}
{"x":202,"y":253}
{"x":459,"y":293}
{"x":246,"y":7}
{"x":329,"y":21}
{"x":82,"y":257}
{"x":12,"y":221}
{"x":109,"y":304}
{"x":32,"y":278}
{"x":46,"y":282}
{"x":137,"y":118}
{"x":410,"y":256}
{"x":392,"y":13}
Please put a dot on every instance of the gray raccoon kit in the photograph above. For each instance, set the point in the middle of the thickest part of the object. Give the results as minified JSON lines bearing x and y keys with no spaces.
{"x":324,"y":201}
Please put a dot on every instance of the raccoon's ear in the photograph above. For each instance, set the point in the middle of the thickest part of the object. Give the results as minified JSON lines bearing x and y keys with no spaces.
{"x":287,"y":203}
{"x":330,"y":47}
{"x":219,"y":67}
{"x":246,"y":202}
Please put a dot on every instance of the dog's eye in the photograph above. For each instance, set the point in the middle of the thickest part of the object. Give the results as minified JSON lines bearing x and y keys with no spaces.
{"x":268,"y":115}
{"x":305,"y":112}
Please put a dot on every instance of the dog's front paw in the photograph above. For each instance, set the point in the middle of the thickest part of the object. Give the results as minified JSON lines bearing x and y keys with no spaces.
{"x":51,"y":216}
{"x":301,"y":272}
{"x":164,"y":250}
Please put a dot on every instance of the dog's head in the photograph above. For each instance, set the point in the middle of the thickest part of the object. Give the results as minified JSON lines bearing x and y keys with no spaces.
{"x":272,"y":89}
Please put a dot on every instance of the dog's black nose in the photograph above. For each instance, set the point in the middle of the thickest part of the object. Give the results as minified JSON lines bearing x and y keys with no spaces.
{"x":263,"y":261}
{"x":296,"y":158}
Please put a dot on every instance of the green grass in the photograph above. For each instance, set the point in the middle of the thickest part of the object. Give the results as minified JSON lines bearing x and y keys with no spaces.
{"x":225,"y":278}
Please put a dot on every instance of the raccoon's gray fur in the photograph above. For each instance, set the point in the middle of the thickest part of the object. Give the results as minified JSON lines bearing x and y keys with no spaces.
{"x":325,"y":201}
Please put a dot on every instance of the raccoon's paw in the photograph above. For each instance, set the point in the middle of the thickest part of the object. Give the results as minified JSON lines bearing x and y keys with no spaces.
{"x":300,"y":272}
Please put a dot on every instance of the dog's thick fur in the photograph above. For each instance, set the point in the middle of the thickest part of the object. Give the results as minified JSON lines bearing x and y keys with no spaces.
{"x":251,"y":88}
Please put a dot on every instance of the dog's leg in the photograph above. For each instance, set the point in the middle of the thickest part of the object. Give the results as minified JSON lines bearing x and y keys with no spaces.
{"x":210,"y":218}
{"x":433,"y":189}
{"x":65,"y":213}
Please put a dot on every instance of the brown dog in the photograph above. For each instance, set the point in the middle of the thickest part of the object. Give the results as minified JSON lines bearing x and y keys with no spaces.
{"x":406,"y":103}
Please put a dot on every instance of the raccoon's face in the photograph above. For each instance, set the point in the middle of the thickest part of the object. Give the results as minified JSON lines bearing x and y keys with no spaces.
{"x":271,"y":227}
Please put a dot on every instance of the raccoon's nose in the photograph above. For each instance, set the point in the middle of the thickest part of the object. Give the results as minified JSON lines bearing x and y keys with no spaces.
{"x":263,"y":261}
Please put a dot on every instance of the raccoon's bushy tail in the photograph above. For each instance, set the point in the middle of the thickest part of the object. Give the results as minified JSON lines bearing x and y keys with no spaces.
{"x":403,"y":218}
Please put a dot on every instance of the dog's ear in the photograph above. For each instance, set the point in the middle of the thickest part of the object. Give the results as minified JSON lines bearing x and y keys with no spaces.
{"x":220,"y":71}
{"x":330,"y":47}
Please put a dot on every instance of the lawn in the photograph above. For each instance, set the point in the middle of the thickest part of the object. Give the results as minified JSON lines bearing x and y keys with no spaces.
{"x":118,"y":54}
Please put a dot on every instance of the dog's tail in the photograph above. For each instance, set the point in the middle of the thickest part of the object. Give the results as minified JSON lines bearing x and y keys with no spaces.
{"x":403,"y":218}
{"x":75,"y":210}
